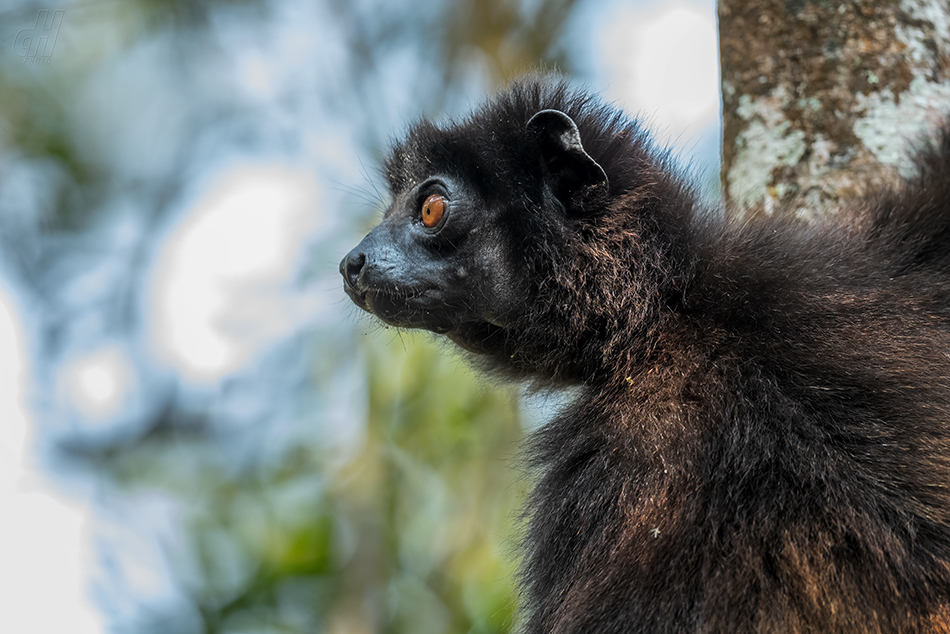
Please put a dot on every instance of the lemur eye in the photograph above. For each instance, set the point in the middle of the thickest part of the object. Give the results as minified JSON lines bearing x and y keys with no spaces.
{"x":432,"y":210}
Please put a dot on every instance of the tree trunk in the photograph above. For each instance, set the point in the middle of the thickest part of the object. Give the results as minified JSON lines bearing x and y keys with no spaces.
{"x":823,"y":100}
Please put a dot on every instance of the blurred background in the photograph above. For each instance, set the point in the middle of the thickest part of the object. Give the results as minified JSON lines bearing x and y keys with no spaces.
{"x":199,"y":433}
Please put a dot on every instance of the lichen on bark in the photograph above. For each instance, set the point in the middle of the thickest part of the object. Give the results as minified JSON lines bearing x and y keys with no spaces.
{"x":822,"y":100}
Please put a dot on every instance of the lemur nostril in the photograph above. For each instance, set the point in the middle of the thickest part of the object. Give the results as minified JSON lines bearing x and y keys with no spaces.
{"x":351,"y":266}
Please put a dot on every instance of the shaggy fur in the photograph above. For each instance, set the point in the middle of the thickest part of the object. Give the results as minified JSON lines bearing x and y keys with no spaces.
{"x":760,"y":440}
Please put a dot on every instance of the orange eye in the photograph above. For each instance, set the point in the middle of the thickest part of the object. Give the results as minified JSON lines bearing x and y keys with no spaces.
{"x":432,"y":210}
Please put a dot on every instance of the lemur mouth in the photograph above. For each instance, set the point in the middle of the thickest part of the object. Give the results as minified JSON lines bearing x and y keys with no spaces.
{"x":358,"y":297}
{"x":403,"y":309}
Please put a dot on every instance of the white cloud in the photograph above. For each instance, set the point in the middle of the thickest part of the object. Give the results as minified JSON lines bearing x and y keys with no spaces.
{"x":222,"y":285}
{"x":98,"y":384}
{"x":664,"y":65}
{"x":43,"y":544}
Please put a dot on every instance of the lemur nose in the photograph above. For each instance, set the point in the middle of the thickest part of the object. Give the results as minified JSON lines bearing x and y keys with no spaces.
{"x":351,"y":266}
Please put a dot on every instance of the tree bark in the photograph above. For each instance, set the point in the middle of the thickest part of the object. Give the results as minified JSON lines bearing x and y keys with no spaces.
{"x":824,"y":100}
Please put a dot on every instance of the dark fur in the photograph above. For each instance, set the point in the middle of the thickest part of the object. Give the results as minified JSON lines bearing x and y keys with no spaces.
{"x":761,"y":436}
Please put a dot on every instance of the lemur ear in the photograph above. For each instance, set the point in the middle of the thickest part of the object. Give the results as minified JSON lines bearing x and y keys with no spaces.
{"x":575,"y":178}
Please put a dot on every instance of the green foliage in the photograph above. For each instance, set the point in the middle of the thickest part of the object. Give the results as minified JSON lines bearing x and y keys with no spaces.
{"x":438,"y":458}
{"x":413,"y":529}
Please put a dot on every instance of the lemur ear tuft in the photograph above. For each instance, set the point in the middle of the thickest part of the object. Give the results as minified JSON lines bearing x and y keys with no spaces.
{"x":576,"y":179}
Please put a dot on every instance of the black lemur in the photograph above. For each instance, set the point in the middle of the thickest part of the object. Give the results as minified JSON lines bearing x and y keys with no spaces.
{"x":760,"y":437}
